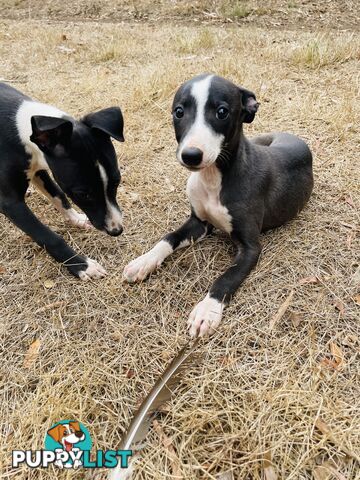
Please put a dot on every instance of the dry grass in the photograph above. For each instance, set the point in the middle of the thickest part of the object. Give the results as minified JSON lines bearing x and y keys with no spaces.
{"x":323,"y":51}
{"x":258,"y":390}
{"x":327,"y":14}
{"x":235,"y":10}
{"x":202,"y":40}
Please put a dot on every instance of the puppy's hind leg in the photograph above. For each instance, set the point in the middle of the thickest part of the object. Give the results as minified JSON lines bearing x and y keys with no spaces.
{"x":193,"y":230}
{"x":265,"y":139}
{"x":57,"y":197}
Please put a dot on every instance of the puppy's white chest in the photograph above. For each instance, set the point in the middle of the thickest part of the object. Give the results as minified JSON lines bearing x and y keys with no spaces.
{"x":203,"y":189}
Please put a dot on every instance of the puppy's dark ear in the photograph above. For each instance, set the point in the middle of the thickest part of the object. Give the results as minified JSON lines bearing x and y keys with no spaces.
{"x":108,"y":120}
{"x":48,"y":132}
{"x":249,"y":105}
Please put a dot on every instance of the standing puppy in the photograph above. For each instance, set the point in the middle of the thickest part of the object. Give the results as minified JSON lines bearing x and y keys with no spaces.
{"x":36,"y":138}
{"x":240,"y":186}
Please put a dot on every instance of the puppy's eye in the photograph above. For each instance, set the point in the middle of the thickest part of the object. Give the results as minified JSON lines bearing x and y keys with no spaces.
{"x":222,"y":113}
{"x":179,"y":112}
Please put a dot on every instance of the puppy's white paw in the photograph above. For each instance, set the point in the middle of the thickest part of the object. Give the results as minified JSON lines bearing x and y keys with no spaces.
{"x":205,"y":317}
{"x":93,"y":270}
{"x":141,"y":267}
{"x":79,"y":220}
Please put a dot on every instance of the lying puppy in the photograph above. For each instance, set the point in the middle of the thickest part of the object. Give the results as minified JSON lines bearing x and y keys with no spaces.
{"x":240,"y":186}
{"x":36,"y":138}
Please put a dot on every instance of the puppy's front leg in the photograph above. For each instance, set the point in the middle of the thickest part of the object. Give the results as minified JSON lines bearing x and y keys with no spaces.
{"x":57,"y":197}
{"x":193,"y":230}
{"x":207,"y":314}
{"x":83,"y":267}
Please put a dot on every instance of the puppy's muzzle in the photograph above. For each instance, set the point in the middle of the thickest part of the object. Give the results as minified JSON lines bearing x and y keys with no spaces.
{"x":113,"y":222}
{"x":192,"y":157}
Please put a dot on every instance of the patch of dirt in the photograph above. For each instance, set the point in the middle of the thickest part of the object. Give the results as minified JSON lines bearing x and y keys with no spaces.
{"x":304,"y":14}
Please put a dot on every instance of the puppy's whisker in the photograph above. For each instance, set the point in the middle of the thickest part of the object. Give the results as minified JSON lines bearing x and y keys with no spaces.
{"x":224,"y":156}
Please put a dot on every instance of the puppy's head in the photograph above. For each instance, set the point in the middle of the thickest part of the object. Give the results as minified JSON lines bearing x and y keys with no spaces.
{"x":208,"y":112}
{"x":67,"y":434}
{"x":83,"y":161}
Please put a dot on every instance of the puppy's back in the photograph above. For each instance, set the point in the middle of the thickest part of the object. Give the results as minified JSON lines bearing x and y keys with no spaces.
{"x":10,"y":101}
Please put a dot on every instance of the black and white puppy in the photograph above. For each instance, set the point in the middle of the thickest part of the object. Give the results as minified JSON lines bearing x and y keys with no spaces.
{"x":240,"y":186}
{"x":36,"y":138}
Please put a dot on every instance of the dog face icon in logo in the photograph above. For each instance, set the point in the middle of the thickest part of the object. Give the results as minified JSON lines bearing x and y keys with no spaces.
{"x":67,"y":434}
{"x":68,"y":439}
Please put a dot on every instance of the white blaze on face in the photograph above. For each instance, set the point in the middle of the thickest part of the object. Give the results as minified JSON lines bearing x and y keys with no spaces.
{"x":200,"y":134}
{"x":113,"y":218}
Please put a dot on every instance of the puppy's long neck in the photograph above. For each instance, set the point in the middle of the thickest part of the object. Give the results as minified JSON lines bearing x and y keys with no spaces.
{"x":234,"y":154}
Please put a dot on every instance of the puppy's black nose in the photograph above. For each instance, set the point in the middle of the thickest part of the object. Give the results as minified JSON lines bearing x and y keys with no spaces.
{"x":192,"y":156}
{"x":79,"y":434}
{"x":115,"y":232}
